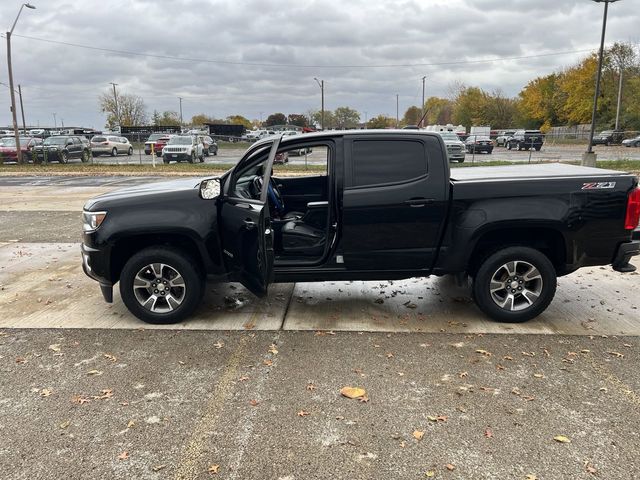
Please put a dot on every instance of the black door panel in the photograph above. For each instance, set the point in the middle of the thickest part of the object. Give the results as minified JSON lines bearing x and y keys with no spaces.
{"x":298,"y":191}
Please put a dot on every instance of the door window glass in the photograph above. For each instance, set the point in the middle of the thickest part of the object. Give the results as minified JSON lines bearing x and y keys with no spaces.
{"x":378,"y":162}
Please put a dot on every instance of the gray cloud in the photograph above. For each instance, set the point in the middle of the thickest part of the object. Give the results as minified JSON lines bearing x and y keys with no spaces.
{"x":67,"y":80}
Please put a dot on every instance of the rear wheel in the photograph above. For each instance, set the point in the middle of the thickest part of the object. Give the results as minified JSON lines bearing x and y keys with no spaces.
{"x":114,"y":152}
{"x":518,"y":146}
{"x":64,"y":157}
{"x":508,"y":146}
{"x":130,"y":152}
{"x":514,"y":284}
{"x":85,"y":156}
{"x":192,"y":158}
{"x":161,"y":285}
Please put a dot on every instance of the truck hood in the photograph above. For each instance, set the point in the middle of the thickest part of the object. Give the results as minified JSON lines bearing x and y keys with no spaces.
{"x":146,"y":194}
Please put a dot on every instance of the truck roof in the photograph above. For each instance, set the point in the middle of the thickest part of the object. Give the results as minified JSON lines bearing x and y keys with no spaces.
{"x":342,"y":133}
{"x":527,"y":171}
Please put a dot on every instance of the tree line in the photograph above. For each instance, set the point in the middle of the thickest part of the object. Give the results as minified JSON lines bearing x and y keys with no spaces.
{"x":564,"y":97}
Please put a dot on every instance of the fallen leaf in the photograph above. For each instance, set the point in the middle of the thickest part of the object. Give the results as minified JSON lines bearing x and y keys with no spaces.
{"x":430,"y":474}
{"x":157,"y":468}
{"x":352,"y":392}
{"x":108,"y":356}
{"x":531,"y":476}
{"x":311,"y":387}
{"x":538,"y":375}
{"x":616,"y":354}
{"x":80,"y":399}
{"x":418,"y":434}
{"x":254,"y":403}
{"x":55,"y":347}
{"x":64,"y":425}
{"x":484,"y":352}
{"x":21,"y":360}
{"x":450,"y":467}
{"x":243,"y":379}
{"x":123,"y":456}
{"x":463,"y":374}
{"x":218,"y":344}
{"x":45,"y":392}
{"x":268,"y":363}
{"x":590,"y":468}
{"x":562,"y":439}
{"x":273,"y":349}
{"x":363,"y":399}
{"x":389,"y":355}
{"x":131,"y":424}
{"x":97,"y":373}
{"x":213,"y":469}
{"x":303,"y":413}
{"x":488,"y":432}
{"x":432,"y":418}
{"x":529,"y":354}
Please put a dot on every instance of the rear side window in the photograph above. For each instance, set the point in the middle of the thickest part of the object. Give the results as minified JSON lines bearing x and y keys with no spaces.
{"x":378,"y":162}
{"x":98,"y":139}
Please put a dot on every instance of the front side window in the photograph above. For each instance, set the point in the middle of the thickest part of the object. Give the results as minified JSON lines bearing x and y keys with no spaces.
{"x":378,"y":162}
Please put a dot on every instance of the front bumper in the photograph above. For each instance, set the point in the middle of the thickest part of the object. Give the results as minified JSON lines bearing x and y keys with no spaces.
{"x":51,"y":155}
{"x":178,"y":157}
{"x":94,"y":265}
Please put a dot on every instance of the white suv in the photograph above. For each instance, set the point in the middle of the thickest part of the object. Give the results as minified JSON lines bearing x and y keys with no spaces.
{"x":183,"y":147}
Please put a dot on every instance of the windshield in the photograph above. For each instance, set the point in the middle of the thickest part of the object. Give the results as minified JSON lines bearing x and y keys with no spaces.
{"x":155,"y":136}
{"x":450,"y":136}
{"x":483,"y":138}
{"x":98,"y":139}
{"x":180,"y":141}
{"x":55,"y":141}
{"x":11,"y":142}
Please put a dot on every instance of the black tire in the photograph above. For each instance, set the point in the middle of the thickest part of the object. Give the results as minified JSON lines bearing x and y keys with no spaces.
{"x":538,"y":148}
{"x":192,"y":158}
{"x":544,"y":284}
{"x":461,"y":161}
{"x":518,"y":146}
{"x":158,"y":154}
{"x":85,"y":156}
{"x":114,"y":152}
{"x":215,"y":152}
{"x":508,"y":146}
{"x":201,"y":158}
{"x":174,"y":259}
{"x":64,"y":157}
{"x":165,"y":160}
{"x":130,"y":152}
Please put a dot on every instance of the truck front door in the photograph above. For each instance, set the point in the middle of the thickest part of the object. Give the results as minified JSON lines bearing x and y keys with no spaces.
{"x":245,"y":221}
{"x":394,"y":202}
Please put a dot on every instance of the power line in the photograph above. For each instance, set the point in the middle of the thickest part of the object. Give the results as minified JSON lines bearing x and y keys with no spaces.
{"x":292,"y":65}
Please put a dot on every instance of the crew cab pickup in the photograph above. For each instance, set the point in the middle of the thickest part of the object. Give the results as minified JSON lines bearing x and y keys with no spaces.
{"x":387,"y":207}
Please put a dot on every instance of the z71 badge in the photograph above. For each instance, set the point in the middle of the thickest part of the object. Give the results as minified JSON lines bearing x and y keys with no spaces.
{"x":598,"y":185}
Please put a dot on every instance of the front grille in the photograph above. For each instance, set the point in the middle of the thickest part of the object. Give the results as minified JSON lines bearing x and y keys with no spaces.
{"x":174,"y":150}
{"x":454,"y":148}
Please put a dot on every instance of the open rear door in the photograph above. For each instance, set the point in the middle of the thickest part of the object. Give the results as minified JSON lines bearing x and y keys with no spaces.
{"x":247,"y":235}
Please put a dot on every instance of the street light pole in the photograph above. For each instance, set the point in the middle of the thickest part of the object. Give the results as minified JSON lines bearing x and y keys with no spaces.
{"x":115,"y":100}
{"x":55,"y":123}
{"x":397,"y":110}
{"x":619,"y":100}
{"x":181,"y":122}
{"x":12,"y":92}
{"x":24,"y":124}
{"x":321,"y":85}
{"x":589,"y":157}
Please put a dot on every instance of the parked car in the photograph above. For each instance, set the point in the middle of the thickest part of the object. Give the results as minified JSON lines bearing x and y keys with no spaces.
{"x":632,"y":142}
{"x":282,"y":158}
{"x":9,"y":152}
{"x":152,"y":143}
{"x":525,"y":140}
{"x":478,"y":144}
{"x":210,"y":146}
{"x":503,"y":136}
{"x":183,"y":148}
{"x":110,"y":145}
{"x":455,"y":147}
{"x":608,"y":137}
{"x":389,"y":207}
{"x":162,"y":142}
{"x":61,"y":149}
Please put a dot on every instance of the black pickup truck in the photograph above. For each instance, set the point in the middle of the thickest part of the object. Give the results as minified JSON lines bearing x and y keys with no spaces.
{"x":388,"y":207}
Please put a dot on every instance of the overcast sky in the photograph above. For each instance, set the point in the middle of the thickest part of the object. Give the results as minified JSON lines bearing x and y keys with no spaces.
{"x":247,"y":57}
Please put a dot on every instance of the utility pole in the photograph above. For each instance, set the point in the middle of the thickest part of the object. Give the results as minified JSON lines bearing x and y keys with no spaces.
{"x":115,"y":100}
{"x":619,"y":100}
{"x":321,"y":85}
{"x":24,"y":124}
{"x":55,"y":124}
{"x":13,"y":94}
{"x":366,"y":119}
{"x":422,"y":108}
{"x":181,"y":122}
{"x":397,"y":110}
{"x":261,"y":119}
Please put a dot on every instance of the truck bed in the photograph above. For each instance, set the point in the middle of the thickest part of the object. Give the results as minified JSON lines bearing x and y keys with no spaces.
{"x":540,"y":171}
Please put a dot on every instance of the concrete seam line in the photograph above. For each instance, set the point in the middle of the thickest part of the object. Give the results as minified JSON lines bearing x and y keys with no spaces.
{"x":245,"y":433}
{"x":286,"y":308}
{"x":618,"y":385}
{"x":188,"y":463}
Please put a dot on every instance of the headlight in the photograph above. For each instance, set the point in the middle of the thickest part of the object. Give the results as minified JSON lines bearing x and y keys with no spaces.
{"x":92,"y":220}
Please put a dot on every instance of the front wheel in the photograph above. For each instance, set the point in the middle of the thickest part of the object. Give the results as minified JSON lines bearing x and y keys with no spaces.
{"x":130,"y":152}
{"x":514,"y":284}
{"x":114,"y":152}
{"x":85,"y":156}
{"x":508,"y":146}
{"x":192,"y":158}
{"x":161,"y":285}
{"x":64,"y":157}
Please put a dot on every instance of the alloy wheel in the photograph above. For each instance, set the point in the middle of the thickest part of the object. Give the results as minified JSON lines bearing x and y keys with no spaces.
{"x":516,"y":285}
{"x":159,"y":288}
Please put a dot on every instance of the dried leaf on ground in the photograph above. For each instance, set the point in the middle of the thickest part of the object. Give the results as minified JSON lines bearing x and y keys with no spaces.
{"x":55,"y":347}
{"x":311,"y":387}
{"x":108,"y":356}
{"x":418,"y":434}
{"x":353,"y":392}
{"x":123,"y":456}
{"x":213,"y":469}
{"x":64,"y":425}
{"x":45,"y":392}
{"x":157,"y":468}
{"x":131,"y":424}
{"x":268,"y":363}
{"x":303,"y":413}
{"x":273,"y":349}
{"x":430,"y":474}
{"x":80,"y":399}
{"x":97,"y":373}
{"x":218,"y":344}
{"x":450,"y":467}
{"x":254,"y":403}
{"x":484,"y":352}
{"x":562,"y":439}
{"x":616,"y":354}
{"x":488,"y":432}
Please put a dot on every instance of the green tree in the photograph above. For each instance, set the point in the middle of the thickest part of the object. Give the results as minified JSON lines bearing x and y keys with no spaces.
{"x":346,"y":117}
{"x":200,"y":119}
{"x":381,"y":121}
{"x":329,"y":119}
{"x":298,"y":119}
{"x":276,"y":119}
{"x":412,"y":116}
{"x":239,"y":120}
{"x":470,"y":106}
{"x":166,"y":118}
{"x":439,"y":111}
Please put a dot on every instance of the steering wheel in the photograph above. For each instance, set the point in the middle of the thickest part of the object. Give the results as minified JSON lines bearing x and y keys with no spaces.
{"x":273,"y":194}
